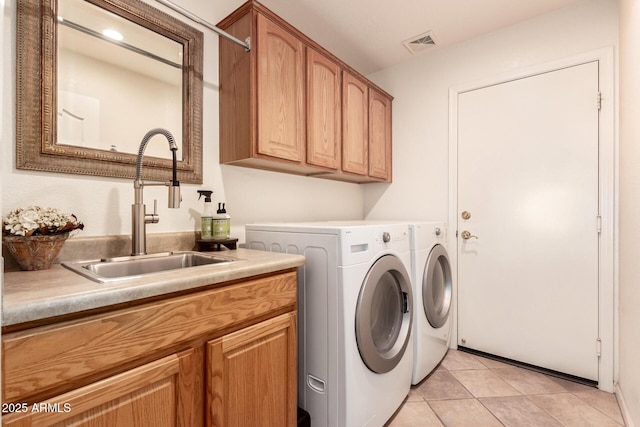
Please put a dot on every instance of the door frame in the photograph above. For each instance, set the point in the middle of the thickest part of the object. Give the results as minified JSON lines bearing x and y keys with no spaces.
{"x":607,"y":190}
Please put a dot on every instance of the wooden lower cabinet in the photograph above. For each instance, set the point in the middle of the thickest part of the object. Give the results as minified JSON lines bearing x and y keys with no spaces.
{"x":251,"y":376}
{"x":155,"y":395}
{"x":224,"y":357}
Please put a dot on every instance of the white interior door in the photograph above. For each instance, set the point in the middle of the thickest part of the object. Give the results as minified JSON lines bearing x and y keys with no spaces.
{"x":528,"y":179}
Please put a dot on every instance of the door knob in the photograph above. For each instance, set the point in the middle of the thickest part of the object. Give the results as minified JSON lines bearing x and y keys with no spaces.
{"x":466,"y":235}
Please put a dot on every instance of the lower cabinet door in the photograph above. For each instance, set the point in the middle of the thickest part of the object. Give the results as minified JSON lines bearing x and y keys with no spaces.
{"x":251,"y":375}
{"x":151,"y":395}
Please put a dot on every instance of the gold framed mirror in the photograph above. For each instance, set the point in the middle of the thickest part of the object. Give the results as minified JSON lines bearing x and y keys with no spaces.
{"x":77,"y":90}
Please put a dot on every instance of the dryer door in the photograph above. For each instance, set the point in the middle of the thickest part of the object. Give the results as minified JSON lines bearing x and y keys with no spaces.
{"x":383,"y":314}
{"x":436,"y":287}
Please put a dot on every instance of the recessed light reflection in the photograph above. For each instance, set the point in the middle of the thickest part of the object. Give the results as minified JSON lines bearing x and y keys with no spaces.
{"x":112,"y":34}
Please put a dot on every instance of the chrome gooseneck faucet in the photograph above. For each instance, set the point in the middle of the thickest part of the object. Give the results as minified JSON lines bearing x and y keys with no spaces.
{"x":139,"y":217}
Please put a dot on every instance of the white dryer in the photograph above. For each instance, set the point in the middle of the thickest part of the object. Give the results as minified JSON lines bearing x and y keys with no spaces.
{"x":355,"y":357}
{"x":432,"y":290}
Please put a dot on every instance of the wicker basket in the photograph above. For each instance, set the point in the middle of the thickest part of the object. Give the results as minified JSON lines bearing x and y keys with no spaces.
{"x":35,"y":252}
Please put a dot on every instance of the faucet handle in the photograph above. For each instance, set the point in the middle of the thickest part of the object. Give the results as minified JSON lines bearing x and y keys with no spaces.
{"x":153,"y":218}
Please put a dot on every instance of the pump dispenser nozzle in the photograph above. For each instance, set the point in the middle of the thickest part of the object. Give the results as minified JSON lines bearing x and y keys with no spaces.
{"x":221,"y":223}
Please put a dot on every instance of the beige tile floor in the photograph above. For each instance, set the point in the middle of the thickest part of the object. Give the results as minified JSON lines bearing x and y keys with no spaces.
{"x":469,"y":390}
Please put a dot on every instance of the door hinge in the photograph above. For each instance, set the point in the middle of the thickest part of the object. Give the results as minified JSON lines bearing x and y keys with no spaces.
{"x":598,"y":347}
{"x":599,"y":101}
{"x":599,"y":224}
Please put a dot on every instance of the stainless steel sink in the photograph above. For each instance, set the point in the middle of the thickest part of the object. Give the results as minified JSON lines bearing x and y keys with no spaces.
{"x":112,"y":269}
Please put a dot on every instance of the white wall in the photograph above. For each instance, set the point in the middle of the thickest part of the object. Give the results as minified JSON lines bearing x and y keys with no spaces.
{"x":420,"y":108}
{"x":629,"y":249}
{"x":103,"y":204}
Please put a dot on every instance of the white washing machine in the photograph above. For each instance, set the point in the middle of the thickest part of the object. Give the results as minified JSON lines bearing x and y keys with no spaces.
{"x":432,"y":291}
{"x":355,"y":357}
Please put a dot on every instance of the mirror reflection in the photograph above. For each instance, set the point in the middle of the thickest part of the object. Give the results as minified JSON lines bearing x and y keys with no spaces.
{"x":115,"y":81}
{"x":85,"y":100}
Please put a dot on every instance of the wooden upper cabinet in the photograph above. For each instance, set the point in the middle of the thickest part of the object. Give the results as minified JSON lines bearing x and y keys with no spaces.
{"x":323,"y":110}
{"x":379,"y":135}
{"x":262,"y":109}
{"x":280,"y":92}
{"x":289,"y":105}
{"x":355,"y":132}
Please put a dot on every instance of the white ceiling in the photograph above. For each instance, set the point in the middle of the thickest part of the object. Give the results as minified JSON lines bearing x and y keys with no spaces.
{"x":368,"y":34}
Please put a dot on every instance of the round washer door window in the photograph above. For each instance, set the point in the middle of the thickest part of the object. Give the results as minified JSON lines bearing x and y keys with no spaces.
{"x":383,"y":314}
{"x":436,"y":287}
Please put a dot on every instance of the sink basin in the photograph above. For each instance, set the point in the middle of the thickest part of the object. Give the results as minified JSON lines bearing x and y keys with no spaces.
{"x":112,"y":269}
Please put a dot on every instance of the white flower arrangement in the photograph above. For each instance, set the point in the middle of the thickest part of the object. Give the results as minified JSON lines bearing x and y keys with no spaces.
{"x":35,"y":220}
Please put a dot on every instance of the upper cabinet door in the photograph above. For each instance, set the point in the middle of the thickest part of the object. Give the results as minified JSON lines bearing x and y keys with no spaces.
{"x":355,"y":139}
{"x":379,"y":135}
{"x":323,"y":111}
{"x":280,"y":91}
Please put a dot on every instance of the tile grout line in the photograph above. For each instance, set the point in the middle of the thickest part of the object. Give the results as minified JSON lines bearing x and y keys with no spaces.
{"x":457,"y":362}
{"x":542,"y":409}
{"x":603,"y":413}
{"x":470,"y":392}
{"x":526,"y":396}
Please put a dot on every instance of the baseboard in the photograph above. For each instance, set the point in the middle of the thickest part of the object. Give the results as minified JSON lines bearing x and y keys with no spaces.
{"x":628,"y":422}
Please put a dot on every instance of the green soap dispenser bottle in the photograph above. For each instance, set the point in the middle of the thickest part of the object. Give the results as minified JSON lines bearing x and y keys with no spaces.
{"x":206,"y":219}
{"x":221,"y":223}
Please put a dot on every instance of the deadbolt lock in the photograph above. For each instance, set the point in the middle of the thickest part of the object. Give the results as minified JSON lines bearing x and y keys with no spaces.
{"x":466,"y":215}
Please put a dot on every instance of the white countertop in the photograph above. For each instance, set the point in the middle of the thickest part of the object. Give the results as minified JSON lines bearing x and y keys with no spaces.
{"x":36,"y":295}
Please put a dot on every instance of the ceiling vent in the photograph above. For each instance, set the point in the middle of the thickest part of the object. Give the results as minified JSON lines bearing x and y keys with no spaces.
{"x":421,"y":42}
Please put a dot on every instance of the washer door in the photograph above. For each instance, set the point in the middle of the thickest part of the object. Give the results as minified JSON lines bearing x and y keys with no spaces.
{"x":436,"y":287}
{"x":383,"y":314}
